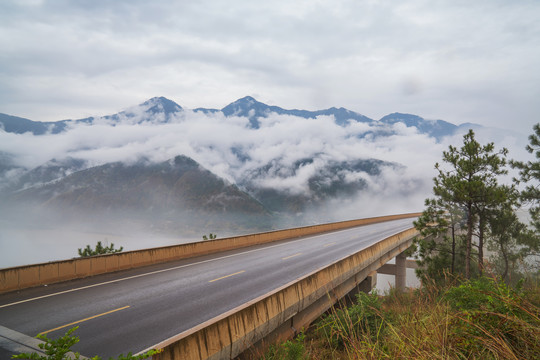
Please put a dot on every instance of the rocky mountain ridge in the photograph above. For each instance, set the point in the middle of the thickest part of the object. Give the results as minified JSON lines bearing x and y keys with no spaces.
{"x":163,"y":110}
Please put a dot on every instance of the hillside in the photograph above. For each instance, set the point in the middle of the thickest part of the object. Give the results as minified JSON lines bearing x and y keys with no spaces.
{"x":333,"y":180}
{"x":168,"y":195}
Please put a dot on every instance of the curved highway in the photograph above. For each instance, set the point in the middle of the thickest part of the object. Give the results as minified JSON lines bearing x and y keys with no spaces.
{"x":131,"y":310}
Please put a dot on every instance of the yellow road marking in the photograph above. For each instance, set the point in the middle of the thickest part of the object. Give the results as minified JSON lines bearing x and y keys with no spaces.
{"x":329,"y":244}
{"x":80,"y":321}
{"x":226,"y":276}
{"x":288,"y":257}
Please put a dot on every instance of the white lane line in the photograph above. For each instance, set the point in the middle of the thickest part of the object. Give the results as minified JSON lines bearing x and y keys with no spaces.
{"x":171,"y":269}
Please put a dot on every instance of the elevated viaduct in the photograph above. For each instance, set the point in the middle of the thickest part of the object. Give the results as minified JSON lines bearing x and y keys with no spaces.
{"x":272,"y":315}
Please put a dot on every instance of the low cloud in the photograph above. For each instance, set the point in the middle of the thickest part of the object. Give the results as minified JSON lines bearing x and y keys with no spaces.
{"x":290,"y":149}
{"x":283,"y":154}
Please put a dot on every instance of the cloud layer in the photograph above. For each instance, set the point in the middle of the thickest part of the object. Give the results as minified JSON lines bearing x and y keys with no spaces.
{"x":230,"y":148}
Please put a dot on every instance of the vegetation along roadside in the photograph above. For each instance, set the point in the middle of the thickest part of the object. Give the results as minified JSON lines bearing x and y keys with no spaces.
{"x":471,"y":304}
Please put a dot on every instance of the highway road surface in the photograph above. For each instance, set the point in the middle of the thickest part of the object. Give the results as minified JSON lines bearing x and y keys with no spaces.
{"x":131,"y":310}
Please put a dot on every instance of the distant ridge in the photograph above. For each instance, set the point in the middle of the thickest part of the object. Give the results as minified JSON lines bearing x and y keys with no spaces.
{"x":434,"y":128}
{"x":253,"y":109}
{"x":162,"y":110}
{"x":18,"y":125}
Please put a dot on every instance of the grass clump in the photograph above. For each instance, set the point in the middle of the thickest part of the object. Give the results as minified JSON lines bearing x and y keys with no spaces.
{"x":289,"y":350}
{"x":362,"y":319}
{"x":494,"y":320}
{"x":477,"y":319}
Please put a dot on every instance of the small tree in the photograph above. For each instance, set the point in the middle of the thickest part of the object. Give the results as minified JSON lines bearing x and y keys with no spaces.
{"x":209,"y":237}
{"x":509,"y":239}
{"x":439,"y":245}
{"x":60,"y":349}
{"x":99,"y":250}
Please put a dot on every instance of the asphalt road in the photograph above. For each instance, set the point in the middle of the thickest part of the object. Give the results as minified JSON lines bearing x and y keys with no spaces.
{"x":131,"y":310}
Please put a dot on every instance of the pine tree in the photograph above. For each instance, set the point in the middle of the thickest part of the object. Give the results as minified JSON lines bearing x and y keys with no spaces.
{"x":530,"y":174}
{"x":469,"y":180}
{"x":509,"y":239}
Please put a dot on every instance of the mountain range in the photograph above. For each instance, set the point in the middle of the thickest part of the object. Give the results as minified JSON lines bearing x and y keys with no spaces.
{"x":261,"y":185}
{"x":162,"y":110}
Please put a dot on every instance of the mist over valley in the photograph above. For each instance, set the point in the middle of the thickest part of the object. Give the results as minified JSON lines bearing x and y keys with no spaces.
{"x":157,"y":174}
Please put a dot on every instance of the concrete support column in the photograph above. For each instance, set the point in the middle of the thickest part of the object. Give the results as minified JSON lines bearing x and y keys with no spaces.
{"x":368,"y":283}
{"x":365,"y":286}
{"x":401,"y":272}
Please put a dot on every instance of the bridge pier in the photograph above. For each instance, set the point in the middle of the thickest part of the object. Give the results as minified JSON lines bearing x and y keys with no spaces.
{"x":399,"y":270}
{"x":368,"y":283}
{"x":364,"y":286}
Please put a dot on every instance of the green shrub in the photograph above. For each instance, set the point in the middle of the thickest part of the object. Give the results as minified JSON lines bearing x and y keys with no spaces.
{"x":491,"y":320}
{"x":289,"y":350}
{"x":361,"y":319}
{"x":60,"y":349}
{"x":99,"y":250}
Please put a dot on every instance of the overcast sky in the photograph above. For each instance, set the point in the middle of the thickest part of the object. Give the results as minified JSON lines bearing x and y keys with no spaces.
{"x":460,"y":61}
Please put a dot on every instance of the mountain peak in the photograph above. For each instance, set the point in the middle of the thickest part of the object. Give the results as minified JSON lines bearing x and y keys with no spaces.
{"x":243,"y":104}
{"x":250,"y":108}
{"x":160,"y":104}
{"x":248,"y":99}
{"x":397,"y":117}
{"x":435,"y":128}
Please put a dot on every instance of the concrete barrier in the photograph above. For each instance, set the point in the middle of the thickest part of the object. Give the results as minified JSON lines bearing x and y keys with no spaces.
{"x":21,"y":277}
{"x":285,"y":310}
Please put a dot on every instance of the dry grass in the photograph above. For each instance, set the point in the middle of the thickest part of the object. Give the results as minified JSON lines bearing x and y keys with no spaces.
{"x":485,"y":320}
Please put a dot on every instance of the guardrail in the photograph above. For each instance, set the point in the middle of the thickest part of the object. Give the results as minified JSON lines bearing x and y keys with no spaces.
{"x":278,"y":314}
{"x":20,"y":277}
